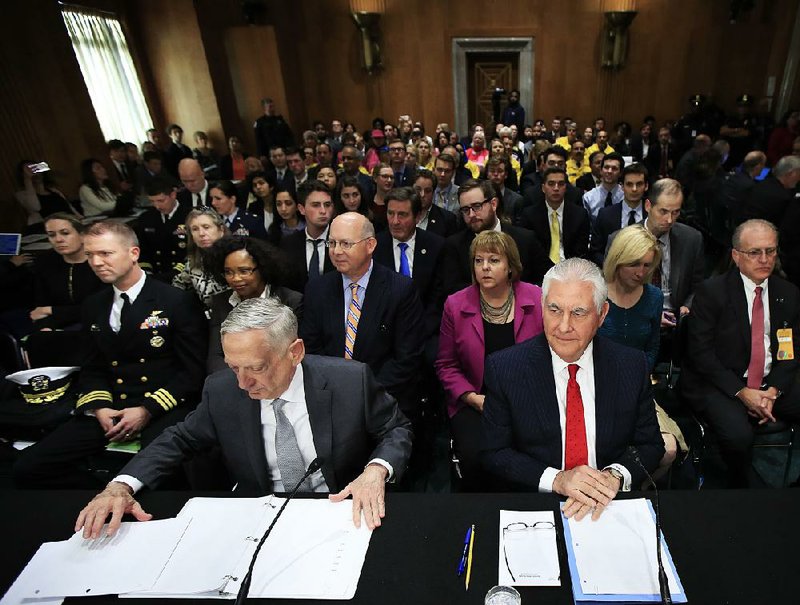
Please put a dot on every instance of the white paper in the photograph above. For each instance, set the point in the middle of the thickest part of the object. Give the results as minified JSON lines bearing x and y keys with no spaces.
{"x":532,"y":554}
{"x":617,"y":553}
{"x":131,"y":560}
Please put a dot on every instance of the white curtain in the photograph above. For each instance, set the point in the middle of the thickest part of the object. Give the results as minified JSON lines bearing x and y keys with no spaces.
{"x":109,"y":74}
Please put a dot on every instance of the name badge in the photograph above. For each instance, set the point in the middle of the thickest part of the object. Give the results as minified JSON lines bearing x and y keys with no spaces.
{"x":785,"y":344}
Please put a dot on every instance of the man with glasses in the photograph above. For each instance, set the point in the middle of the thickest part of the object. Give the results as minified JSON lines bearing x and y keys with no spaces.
{"x":478,"y":206}
{"x":562,"y":228}
{"x":742,"y":359}
{"x":446,"y":194}
{"x":366,"y":312}
{"x":306,"y":249}
{"x":397,"y":160}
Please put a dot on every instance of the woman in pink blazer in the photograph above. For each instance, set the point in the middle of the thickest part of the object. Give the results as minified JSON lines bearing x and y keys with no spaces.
{"x":495,"y":312}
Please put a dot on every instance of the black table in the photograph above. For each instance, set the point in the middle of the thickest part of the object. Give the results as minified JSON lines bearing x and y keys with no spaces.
{"x":729,"y":547}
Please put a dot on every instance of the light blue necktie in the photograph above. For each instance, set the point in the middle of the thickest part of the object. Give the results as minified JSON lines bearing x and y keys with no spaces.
{"x":404,"y":268}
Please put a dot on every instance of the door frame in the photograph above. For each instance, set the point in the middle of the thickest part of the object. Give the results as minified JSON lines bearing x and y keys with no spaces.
{"x":460,"y":47}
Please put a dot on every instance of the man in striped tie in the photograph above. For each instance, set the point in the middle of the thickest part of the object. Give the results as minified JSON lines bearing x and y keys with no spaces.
{"x":366,"y":312}
{"x":568,"y":411}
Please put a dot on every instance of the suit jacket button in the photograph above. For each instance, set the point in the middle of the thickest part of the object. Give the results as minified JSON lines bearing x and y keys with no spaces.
{"x":119,"y":380}
{"x":147,"y":394}
{"x":115,"y":363}
{"x":144,"y":379}
{"x":141,"y":360}
{"x":123,"y":396}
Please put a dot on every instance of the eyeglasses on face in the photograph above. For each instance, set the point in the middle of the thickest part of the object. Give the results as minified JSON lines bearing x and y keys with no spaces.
{"x":476,"y":207}
{"x":343,"y":243}
{"x":757,"y":253}
{"x":241,"y":272}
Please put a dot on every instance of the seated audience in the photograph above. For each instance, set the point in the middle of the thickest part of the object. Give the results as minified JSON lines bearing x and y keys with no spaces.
{"x":251,"y":269}
{"x":384,"y":179}
{"x":350,"y":196}
{"x":577,"y":165}
{"x":176,"y":150}
{"x":223,"y":196}
{"x":258,"y":197}
{"x":741,"y":362}
{"x":143,"y":371}
{"x":593,"y":178}
{"x":63,"y":278}
{"x":478,"y":201}
{"x":771,"y":198}
{"x":162,"y":232}
{"x":195,"y":191}
{"x":231,"y":165}
{"x":536,"y":432}
{"x":366,"y":312}
{"x":634,"y":313}
{"x":351,"y":424}
{"x":425,"y":158}
{"x":496,"y":171}
{"x":495,"y":312}
{"x":327,"y":175}
{"x":609,"y":191}
{"x":432,"y":218}
{"x":206,"y":156}
{"x":205,"y":228}
{"x":286,"y":217}
{"x":95,"y":195}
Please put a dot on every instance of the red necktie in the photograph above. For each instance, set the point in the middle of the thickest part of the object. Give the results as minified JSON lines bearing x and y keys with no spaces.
{"x":575,"y":448}
{"x":755,"y":371}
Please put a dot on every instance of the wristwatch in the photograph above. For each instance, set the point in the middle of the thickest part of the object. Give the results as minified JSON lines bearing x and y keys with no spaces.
{"x":615,"y":473}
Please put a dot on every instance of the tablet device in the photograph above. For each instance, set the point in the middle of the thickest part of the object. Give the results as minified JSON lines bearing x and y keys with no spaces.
{"x":9,"y":243}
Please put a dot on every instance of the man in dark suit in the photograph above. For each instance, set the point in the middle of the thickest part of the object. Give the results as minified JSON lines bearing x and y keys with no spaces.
{"x":510,"y":202}
{"x":279,"y":168}
{"x":662,"y":158}
{"x":531,"y":186}
{"x":124,"y":171}
{"x":147,"y":343}
{"x":682,"y":260}
{"x":618,"y":216}
{"x":770,"y":198}
{"x":597,"y":390}
{"x":351,"y":166}
{"x":271,"y":130}
{"x":162,"y":232}
{"x":571,"y":226}
{"x":366,"y":312}
{"x":478,"y":202}
{"x":176,"y":150}
{"x":306,"y":249}
{"x":413,"y":252}
{"x":742,"y":361}
{"x":195,"y":192}
{"x":587,"y":182}
{"x":403,"y":176}
{"x":432,"y":218}
{"x":270,"y":425}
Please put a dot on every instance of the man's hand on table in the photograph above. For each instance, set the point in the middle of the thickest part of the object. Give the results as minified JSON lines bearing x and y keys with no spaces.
{"x":587,"y":490}
{"x":117,"y":499}
{"x":368,"y":491}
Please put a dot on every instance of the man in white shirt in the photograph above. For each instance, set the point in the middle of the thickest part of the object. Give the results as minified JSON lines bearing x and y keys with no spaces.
{"x":568,"y":411}
{"x":609,"y":191}
{"x":194,"y":180}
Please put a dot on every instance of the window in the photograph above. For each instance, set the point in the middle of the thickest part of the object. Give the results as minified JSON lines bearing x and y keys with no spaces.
{"x":109,"y":74}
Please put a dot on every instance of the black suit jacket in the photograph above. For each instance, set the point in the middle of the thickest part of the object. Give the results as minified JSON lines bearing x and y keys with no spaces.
{"x":173,"y":155}
{"x":163,"y":243}
{"x":586,"y":182}
{"x":390,"y":332}
{"x":294,"y":247}
{"x":653,"y":161}
{"x":456,"y":265}
{"x":521,"y":427}
{"x":608,"y":222}
{"x":186,"y":198}
{"x":441,"y":222}
{"x":155,"y":360}
{"x":427,"y":273}
{"x":718,"y":349}
{"x":768,"y":200}
{"x":353,"y":420}
{"x":575,"y":236}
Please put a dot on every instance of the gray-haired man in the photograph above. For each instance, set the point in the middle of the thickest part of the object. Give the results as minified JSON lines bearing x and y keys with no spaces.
{"x":272,"y":413}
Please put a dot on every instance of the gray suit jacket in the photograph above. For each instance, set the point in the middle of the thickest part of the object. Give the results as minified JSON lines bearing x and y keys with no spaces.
{"x":353,"y":420}
{"x":687,"y":263}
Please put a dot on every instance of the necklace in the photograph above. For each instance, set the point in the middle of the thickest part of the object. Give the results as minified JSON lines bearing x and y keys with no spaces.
{"x":498,"y":315}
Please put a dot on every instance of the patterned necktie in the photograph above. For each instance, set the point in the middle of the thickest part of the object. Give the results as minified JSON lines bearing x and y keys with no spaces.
{"x":576,"y":451}
{"x":290,"y":462}
{"x":124,"y":312}
{"x":555,"y":239}
{"x":662,"y":169}
{"x":609,"y":199}
{"x":313,"y":266}
{"x":755,"y":370}
{"x":351,"y":327}
{"x":632,"y":218}
{"x":404,"y":268}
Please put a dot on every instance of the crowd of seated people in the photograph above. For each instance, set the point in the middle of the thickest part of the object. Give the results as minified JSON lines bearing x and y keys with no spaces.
{"x":422,"y":256}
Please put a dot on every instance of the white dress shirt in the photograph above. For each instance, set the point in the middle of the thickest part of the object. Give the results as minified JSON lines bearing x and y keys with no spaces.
{"x":585,"y":379}
{"x":750,"y":294}
{"x":409,"y":252}
{"x":321,"y":247}
{"x":200,"y":201}
{"x":626,"y":213}
{"x":596,"y":198}
{"x":116,"y":306}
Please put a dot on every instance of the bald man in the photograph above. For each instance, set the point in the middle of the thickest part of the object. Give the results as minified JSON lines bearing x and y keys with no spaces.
{"x":366,"y":312}
{"x":195,"y":191}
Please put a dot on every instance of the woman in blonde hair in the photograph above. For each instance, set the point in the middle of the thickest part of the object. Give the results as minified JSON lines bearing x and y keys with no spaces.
{"x":634,"y":314}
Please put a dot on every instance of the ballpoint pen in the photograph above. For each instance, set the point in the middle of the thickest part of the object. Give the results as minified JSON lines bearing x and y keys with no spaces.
{"x":463,"y":561}
{"x":469,"y":556}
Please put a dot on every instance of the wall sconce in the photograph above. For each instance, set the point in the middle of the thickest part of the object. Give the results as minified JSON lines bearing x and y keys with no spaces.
{"x":615,"y":38}
{"x":366,"y":15}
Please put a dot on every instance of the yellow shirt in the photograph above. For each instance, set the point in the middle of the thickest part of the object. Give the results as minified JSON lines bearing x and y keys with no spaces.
{"x":564,"y":143}
{"x":574,"y":172}
{"x":593,"y":148}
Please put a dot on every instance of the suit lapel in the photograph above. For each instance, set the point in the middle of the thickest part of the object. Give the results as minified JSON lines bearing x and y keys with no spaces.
{"x":739,"y":306}
{"x":540,"y":380}
{"x":674,"y":263}
{"x":251,"y":430}
{"x":372,"y":309}
{"x":605,"y":393}
{"x":320,"y":414}
{"x":471,"y":310}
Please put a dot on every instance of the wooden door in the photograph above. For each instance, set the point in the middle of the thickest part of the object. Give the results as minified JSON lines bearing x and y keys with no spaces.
{"x":485,"y":72}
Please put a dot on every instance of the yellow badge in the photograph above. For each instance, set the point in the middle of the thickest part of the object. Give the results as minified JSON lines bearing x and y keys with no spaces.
{"x":785,"y":344}
{"x":156,"y":341}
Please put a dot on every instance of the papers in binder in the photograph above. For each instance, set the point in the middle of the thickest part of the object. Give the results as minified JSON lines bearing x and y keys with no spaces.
{"x":613,"y":559}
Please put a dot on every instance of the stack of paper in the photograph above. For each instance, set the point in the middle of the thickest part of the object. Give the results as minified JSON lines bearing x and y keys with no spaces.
{"x":613,"y":559}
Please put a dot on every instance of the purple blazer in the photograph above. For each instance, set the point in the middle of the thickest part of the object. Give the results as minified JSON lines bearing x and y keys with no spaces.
{"x":459,"y":363}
